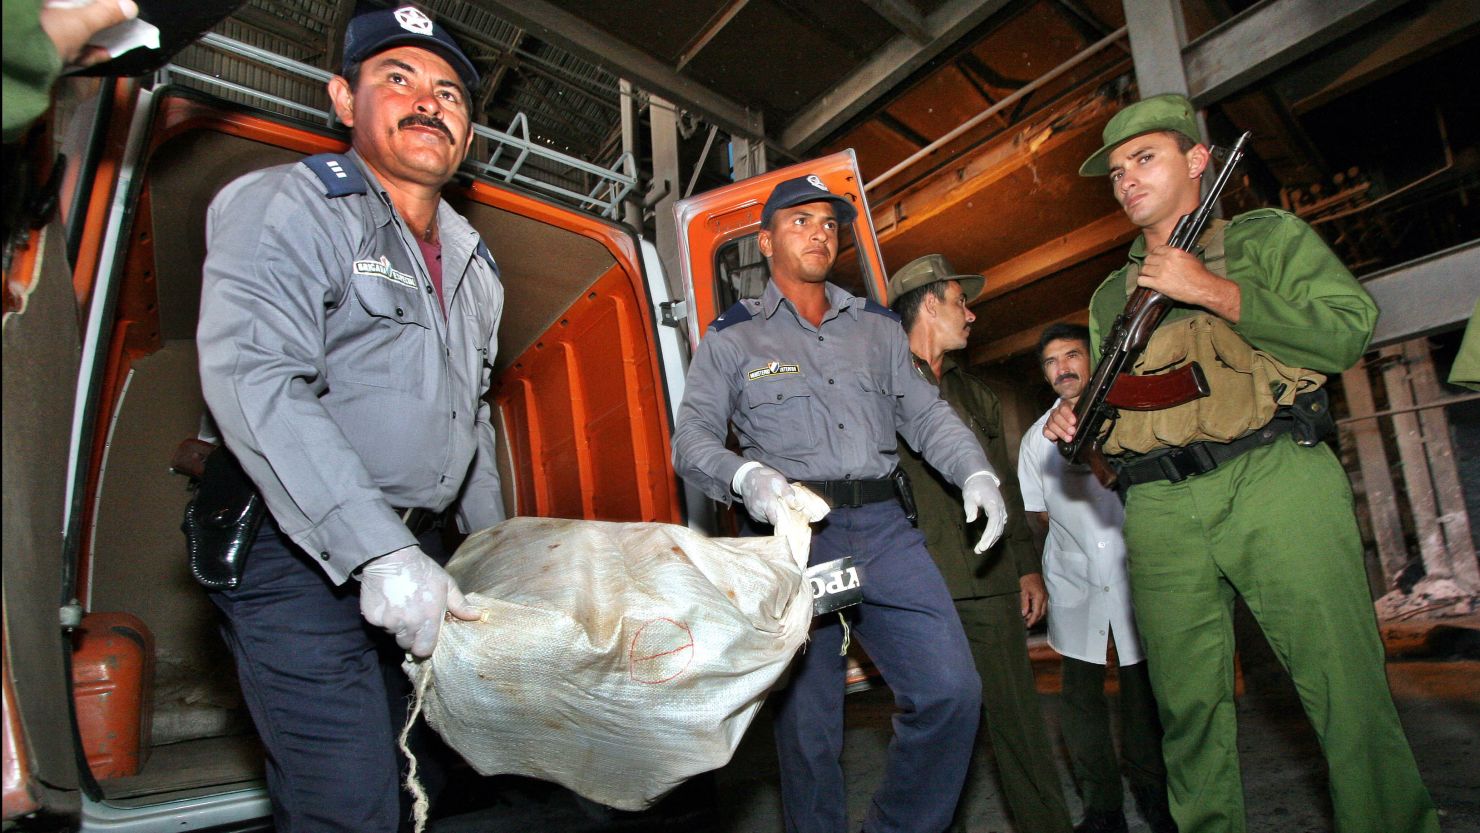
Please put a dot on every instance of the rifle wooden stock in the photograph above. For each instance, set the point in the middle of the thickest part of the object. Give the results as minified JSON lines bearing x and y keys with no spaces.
{"x":1128,"y":338}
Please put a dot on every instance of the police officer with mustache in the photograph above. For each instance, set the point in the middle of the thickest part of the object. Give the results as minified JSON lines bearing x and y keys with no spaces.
{"x":347,"y":334}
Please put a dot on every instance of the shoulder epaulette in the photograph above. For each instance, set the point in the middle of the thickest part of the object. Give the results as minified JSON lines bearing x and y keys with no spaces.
{"x":880,"y":309}
{"x":339,"y":176}
{"x":1261,"y":214}
{"x":483,"y":252}
{"x":738,"y":312}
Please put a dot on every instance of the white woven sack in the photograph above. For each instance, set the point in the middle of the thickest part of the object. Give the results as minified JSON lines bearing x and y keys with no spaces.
{"x":617,"y":659}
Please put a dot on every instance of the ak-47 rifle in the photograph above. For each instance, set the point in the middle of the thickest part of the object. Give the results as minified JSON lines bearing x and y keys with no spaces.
{"x":1112,"y":387}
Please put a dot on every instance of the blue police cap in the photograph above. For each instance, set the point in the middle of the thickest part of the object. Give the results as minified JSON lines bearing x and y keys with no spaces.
{"x":805,"y":189}
{"x":379,"y":30}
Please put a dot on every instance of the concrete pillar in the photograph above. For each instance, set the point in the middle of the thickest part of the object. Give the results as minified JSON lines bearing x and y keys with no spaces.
{"x":666,"y":187}
{"x":1157,"y":36}
{"x":632,"y":208}
{"x":747,"y":158}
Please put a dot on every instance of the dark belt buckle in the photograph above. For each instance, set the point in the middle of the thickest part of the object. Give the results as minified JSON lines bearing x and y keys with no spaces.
{"x":854,"y":493}
{"x":1189,"y":461}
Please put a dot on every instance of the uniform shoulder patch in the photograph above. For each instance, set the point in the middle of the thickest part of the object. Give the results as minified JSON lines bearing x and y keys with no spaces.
{"x":742,"y":310}
{"x":879,"y":309}
{"x":339,"y":176}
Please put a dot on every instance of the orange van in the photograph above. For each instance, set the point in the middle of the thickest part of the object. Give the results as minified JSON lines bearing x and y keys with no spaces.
{"x":101,"y":385}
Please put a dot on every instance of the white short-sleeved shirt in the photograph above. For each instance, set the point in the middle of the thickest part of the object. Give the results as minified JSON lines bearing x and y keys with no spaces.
{"x":1089,"y":598}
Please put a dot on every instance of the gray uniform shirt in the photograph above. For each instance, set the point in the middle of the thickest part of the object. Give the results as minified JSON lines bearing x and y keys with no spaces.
{"x":814,"y":403}
{"x":331,"y":369}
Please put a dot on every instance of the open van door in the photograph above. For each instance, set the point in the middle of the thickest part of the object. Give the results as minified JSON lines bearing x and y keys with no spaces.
{"x":717,"y":231}
{"x":106,"y":345}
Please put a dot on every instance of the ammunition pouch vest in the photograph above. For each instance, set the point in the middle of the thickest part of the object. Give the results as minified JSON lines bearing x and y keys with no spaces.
{"x":1246,"y":385}
{"x":1308,"y":420}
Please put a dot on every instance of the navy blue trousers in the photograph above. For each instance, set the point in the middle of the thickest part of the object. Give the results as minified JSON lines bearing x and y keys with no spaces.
{"x":324,"y":688}
{"x":910,"y":629}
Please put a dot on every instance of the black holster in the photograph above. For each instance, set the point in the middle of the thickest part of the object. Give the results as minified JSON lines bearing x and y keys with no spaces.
{"x":1311,"y":413}
{"x":221,"y":521}
{"x":906,"y":494}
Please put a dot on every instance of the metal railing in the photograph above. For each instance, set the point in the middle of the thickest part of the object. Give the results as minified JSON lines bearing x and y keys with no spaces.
{"x":612,"y":185}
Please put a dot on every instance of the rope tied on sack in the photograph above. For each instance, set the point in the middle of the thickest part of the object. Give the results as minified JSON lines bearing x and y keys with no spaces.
{"x":421,"y":804}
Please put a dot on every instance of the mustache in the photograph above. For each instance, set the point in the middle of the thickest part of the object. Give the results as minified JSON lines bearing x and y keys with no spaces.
{"x":1064,"y":377}
{"x":421,"y":120}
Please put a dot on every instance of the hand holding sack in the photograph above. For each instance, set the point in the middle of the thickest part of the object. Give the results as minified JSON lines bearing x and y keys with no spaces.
{"x":766,"y":492}
{"x":408,"y":594}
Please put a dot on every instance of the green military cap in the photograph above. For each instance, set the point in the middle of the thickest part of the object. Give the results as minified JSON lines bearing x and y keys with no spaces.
{"x":1159,"y":112}
{"x":923,"y":271}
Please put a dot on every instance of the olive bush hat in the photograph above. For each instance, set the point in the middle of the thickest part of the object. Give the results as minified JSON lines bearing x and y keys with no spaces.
{"x":923,"y":271}
{"x":1159,"y":112}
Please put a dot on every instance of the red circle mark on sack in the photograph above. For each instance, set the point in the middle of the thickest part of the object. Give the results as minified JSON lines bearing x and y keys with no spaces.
{"x":661,"y":650}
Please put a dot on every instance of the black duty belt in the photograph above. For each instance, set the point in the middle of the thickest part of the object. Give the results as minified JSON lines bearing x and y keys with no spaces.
{"x":852,"y":492}
{"x":420,"y":521}
{"x":1178,"y":464}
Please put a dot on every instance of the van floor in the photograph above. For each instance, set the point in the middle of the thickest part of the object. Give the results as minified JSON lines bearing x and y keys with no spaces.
{"x":1435,"y":681}
{"x":188,"y":765}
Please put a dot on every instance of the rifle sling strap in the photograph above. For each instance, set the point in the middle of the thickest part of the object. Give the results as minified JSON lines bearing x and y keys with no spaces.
{"x":1209,"y":248}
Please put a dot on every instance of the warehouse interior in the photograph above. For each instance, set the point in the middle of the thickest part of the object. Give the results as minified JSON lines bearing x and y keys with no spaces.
{"x":969,"y":118}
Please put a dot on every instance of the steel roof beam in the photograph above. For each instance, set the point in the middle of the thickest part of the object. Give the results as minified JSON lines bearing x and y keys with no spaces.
{"x":1425,"y":296}
{"x":879,"y":74}
{"x":903,"y":16}
{"x":1266,"y":38}
{"x":562,"y":28}
{"x":719,"y":20}
{"x":1058,"y":254}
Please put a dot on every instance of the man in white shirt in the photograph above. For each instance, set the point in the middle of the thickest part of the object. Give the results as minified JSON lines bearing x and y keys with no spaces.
{"x":1089,"y":609}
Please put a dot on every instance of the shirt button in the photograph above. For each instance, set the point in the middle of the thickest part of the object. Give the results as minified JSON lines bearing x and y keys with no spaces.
{"x":820,"y":338}
{"x":829,"y":381}
{"x":1102,"y":545}
{"x":1107,"y":588}
{"x":400,"y":312}
{"x":840,"y":425}
{"x":778,"y":397}
{"x":324,"y":555}
{"x":429,"y":289}
{"x":454,"y":414}
{"x":1102,"y":633}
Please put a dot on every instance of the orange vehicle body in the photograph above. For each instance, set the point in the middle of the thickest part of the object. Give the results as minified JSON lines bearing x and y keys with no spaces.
{"x":584,"y":387}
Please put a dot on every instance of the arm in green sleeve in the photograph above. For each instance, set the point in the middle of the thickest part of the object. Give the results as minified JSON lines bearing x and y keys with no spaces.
{"x":31,"y":66}
{"x":1299,"y":303}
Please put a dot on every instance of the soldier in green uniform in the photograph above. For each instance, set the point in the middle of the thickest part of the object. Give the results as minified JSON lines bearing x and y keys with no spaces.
{"x":1235,"y":494}
{"x":995,"y":592}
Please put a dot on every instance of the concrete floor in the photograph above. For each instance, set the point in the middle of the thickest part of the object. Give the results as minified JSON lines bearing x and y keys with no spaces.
{"x":1434,"y":672}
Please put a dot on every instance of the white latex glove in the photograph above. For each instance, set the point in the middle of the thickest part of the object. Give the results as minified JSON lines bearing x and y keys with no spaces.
{"x":765,"y":491}
{"x":980,"y":492}
{"x":408,"y":594}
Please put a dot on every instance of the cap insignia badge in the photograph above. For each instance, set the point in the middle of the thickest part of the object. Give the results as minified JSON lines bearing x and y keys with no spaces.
{"x":413,"y":20}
